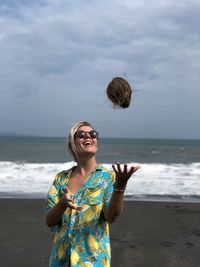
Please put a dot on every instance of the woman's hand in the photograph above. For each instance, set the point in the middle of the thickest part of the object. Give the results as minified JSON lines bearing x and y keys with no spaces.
{"x":123,"y":174}
{"x":115,"y":206}
{"x":67,"y":200}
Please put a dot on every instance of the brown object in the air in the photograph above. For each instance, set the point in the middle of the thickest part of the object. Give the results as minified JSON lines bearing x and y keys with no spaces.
{"x":119,"y":92}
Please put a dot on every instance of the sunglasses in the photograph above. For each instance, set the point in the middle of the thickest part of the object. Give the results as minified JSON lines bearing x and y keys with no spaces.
{"x":82,"y":134}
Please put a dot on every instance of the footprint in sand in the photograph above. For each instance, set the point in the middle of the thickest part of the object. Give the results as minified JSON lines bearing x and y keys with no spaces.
{"x":196,"y":232}
{"x":189,"y":244}
{"x":167,"y":243}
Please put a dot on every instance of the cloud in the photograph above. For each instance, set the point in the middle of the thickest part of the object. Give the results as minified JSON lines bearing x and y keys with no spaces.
{"x":63,"y":53}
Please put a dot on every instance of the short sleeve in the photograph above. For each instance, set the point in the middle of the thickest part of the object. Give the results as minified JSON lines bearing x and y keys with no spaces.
{"x":53,"y":193}
{"x":108,"y":189}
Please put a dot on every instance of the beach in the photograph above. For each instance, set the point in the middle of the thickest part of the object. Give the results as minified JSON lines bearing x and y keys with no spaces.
{"x":147,"y":234}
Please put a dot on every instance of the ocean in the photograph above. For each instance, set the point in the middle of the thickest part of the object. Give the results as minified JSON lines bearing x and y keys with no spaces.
{"x":170,"y":169}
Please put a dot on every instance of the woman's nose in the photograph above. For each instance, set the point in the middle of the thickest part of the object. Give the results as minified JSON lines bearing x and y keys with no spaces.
{"x":87,"y":135}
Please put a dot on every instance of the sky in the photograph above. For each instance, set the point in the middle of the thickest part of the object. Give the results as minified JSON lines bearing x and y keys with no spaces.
{"x":58,"y":56}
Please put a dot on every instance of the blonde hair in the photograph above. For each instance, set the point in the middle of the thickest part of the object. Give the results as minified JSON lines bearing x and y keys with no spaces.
{"x":71,"y":141}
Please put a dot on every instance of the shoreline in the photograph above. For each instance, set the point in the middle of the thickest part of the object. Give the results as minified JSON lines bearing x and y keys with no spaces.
{"x":147,"y":234}
{"x":127,"y":198}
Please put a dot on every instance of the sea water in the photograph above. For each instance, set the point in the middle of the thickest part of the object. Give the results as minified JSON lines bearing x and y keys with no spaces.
{"x":170,"y":169}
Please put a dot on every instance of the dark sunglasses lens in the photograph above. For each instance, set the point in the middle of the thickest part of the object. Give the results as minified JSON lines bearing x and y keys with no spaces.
{"x":81,"y":134}
{"x":93,"y":134}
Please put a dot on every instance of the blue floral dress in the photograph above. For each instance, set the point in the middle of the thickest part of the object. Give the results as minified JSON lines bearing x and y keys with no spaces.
{"x":82,"y":238}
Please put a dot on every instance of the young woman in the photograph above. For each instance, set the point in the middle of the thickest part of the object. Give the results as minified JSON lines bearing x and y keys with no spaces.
{"x":82,"y":202}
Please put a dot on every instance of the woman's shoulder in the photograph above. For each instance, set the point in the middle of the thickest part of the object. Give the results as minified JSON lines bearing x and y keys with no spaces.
{"x":63,"y":174}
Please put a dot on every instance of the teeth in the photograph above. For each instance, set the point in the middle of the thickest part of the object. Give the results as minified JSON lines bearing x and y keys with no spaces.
{"x":87,"y":143}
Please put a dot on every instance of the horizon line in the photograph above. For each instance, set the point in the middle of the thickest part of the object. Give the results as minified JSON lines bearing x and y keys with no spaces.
{"x":7,"y":134}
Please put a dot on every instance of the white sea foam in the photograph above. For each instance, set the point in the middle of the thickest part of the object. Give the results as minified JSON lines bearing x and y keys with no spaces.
{"x":151,"y":181}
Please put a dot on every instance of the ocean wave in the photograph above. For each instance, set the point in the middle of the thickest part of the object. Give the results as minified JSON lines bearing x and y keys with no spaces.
{"x":153,"y":181}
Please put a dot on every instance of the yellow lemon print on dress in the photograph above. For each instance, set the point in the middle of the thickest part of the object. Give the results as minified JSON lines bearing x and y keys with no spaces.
{"x":52,"y":190}
{"x":61,"y":252}
{"x":84,"y":206}
{"x":92,"y":244}
{"x":108,"y":249}
{"x":74,"y":258}
{"x":67,"y":211}
{"x":63,"y":230}
{"x":86,"y":264}
{"x":105,"y":262}
{"x":56,"y":236}
{"x":88,"y":216}
{"x":96,"y":193}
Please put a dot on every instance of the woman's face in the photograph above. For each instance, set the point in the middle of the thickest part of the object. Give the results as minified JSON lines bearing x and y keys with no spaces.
{"x":86,"y":140}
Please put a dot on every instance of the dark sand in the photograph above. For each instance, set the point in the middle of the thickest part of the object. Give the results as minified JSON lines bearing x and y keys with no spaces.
{"x":147,"y":234}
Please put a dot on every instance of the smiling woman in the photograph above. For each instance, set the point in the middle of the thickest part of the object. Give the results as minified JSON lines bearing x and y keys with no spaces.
{"x":84,"y":132}
{"x":82,"y":201}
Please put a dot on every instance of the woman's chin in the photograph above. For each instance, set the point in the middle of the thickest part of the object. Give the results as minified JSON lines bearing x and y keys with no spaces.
{"x":89,"y":151}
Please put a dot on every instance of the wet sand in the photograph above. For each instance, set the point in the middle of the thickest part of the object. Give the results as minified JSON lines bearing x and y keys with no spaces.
{"x":147,"y":234}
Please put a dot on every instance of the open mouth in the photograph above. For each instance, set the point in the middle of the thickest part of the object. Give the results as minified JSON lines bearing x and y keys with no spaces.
{"x":87,"y":143}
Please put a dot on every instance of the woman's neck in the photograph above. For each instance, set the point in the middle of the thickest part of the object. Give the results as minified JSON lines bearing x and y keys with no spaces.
{"x":85,"y":167}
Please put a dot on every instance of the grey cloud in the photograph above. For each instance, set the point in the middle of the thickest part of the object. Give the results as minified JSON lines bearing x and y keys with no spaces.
{"x":62,"y":54}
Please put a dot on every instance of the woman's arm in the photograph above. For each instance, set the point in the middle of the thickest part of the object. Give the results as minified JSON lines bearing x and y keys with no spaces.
{"x":116,"y":202}
{"x":54,"y":214}
{"x":115,"y":207}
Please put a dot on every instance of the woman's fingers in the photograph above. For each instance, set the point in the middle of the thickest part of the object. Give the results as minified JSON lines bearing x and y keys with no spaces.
{"x":136,"y":168}
{"x":72,"y":206}
{"x":123,"y":174}
{"x":69,"y":203}
{"x":114,"y":168}
{"x":69,"y":199}
{"x":125,"y":168}
{"x":79,"y":208}
{"x":119,"y":170}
